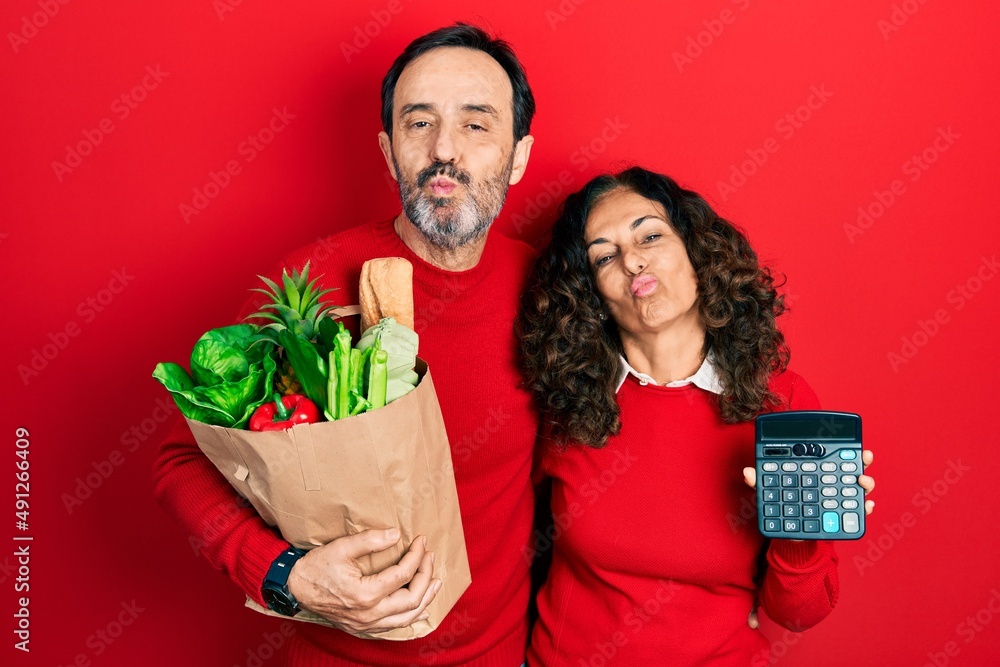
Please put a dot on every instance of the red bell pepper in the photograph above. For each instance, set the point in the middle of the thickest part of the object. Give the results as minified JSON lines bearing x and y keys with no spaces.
{"x":283,"y":413}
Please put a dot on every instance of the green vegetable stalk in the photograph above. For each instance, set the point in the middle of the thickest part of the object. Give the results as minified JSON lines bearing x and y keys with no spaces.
{"x":331,"y":388}
{"x":342,"y":353}
{"x":401,"y":344}
{"x":377,"y":378}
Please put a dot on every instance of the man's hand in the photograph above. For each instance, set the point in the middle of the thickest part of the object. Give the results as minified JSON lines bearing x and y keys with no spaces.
{"x":329,"y":582}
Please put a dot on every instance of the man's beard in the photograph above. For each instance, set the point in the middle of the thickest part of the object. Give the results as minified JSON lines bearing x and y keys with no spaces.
{"x":452,"y":222}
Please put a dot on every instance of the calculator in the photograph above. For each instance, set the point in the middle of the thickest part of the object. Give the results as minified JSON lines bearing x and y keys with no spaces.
{"x":808,"y":463}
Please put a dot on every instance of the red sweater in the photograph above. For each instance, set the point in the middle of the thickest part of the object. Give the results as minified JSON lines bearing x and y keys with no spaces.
{"x":656,"y":558}
{"x":465,"y":322}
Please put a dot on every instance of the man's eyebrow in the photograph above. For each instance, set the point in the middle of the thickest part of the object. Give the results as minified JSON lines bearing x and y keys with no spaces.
{"x":481,"y":108}
{"x":635,"y":223}
{"x":419,"y":106}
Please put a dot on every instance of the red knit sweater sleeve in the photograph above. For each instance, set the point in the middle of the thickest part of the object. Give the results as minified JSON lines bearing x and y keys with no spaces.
{"x":220,"y":524}
{"x":800,"y":586}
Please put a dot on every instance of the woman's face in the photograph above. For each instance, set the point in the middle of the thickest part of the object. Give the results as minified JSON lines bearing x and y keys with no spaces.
{"x":641,"y":267}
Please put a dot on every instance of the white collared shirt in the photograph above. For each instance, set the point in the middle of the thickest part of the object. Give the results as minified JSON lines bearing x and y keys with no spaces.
{"x":704,"y":378}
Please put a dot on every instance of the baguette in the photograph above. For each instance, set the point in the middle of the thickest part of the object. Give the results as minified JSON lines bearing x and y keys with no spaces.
{"x":386,"y":290}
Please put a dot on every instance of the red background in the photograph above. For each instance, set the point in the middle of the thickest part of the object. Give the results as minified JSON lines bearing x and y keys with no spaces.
{"x":596,"y":67}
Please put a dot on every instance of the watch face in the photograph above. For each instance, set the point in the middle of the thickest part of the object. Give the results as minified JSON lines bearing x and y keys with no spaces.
{"x":279,"y":602}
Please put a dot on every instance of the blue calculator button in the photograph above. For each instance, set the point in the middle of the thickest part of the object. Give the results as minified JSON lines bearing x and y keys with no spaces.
{"x":831,"y":522}
{"x":848,"y":454}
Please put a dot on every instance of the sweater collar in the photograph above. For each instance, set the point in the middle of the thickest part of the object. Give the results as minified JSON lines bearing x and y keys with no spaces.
{"x":706,"y":377}
{"x":433,"y":276}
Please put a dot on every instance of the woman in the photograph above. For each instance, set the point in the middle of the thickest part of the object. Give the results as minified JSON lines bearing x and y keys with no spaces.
{"x":649,"y":338}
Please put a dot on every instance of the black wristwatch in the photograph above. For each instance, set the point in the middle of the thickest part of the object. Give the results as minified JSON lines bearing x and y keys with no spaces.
{"x":275,"y":589}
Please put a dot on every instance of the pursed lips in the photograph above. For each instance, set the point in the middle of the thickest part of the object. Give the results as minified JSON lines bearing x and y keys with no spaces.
{"x":442,"y":186}
{"x":643,"y":285}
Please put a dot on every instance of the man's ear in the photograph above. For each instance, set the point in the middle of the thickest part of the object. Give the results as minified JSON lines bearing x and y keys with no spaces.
{"x":386,"y":145}
{"x":521,"y":153}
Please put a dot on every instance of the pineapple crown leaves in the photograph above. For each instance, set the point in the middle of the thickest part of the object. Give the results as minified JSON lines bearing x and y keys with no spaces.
{"x":295,"y":304}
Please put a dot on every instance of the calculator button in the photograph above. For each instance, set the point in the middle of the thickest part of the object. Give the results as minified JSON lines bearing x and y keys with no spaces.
{"x":789,"y":466}
{"x":791,"y":510}
{"x":770,"y":496}
{"x":848,"y":454}
{"x":772,"y":525}
{"x":770,"y":466}
{"x":829,"y":491}
{"x":851,"y":524}
{"x":808,"y":480}
{"x":828,"y":479}
{"x":772,"y":510}
{"x":809,"y":467}
{"x":810,"y":526}
{"x":849,"y":479}
{"x":849,"y":504}
{"x":849,"y":492}
{"x":770,"y":480}
{"x":829,"y":466}
{"x":791,"y":525}
{"x":790,"y":496}
{"x":810,"y":495}
{"x":849,"y":467}
{"x":829,"y":504}
{"x":789,"y":480}
{"x":810,"y":510}
{"x":831,"y":522}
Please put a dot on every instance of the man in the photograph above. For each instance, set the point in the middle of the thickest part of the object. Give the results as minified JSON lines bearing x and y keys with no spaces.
{"x":456,"y":112}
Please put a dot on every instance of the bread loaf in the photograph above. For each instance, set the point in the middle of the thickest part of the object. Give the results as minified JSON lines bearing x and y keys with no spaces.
{"x":386,"y":290}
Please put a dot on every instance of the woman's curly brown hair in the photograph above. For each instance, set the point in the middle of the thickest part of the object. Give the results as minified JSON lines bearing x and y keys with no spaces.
{"x":570,"y":356}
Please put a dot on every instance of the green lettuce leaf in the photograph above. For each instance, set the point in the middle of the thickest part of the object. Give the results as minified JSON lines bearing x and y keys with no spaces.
{"x":232,"y":369}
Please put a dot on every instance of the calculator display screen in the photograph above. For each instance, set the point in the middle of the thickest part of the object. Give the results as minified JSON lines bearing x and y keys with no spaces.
{"x":808,"y":429}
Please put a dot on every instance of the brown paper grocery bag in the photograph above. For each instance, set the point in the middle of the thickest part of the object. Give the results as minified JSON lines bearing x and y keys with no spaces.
{"x":387,"y":468}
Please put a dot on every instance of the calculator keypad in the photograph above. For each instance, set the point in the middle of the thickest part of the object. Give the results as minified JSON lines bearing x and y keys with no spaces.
{"x":812,"y":499}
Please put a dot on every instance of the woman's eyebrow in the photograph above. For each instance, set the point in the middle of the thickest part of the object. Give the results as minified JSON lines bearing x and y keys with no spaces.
{"x":635,"y":223}
{"x":639,"y":221}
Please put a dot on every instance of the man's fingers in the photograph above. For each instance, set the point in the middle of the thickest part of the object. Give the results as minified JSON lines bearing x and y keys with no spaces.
{"x":382,"y":584}
{"x":750,"y":477}
{"x":368,"y":542}
{"x":867,"y":456}
{"x":869,"y":507}
{"x":752,"y":620}
{"x":408,"y":604}
{"x":408,"y":597}
{"x":408,"y":617}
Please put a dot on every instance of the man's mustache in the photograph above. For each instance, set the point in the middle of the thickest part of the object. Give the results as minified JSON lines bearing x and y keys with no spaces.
{"x":443,"y":169}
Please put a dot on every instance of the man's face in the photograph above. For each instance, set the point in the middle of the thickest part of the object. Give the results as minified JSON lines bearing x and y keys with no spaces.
{"x":452,"y":149}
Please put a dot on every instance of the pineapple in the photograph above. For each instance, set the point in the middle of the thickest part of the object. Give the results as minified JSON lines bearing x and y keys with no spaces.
{"x":294,"y":305}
